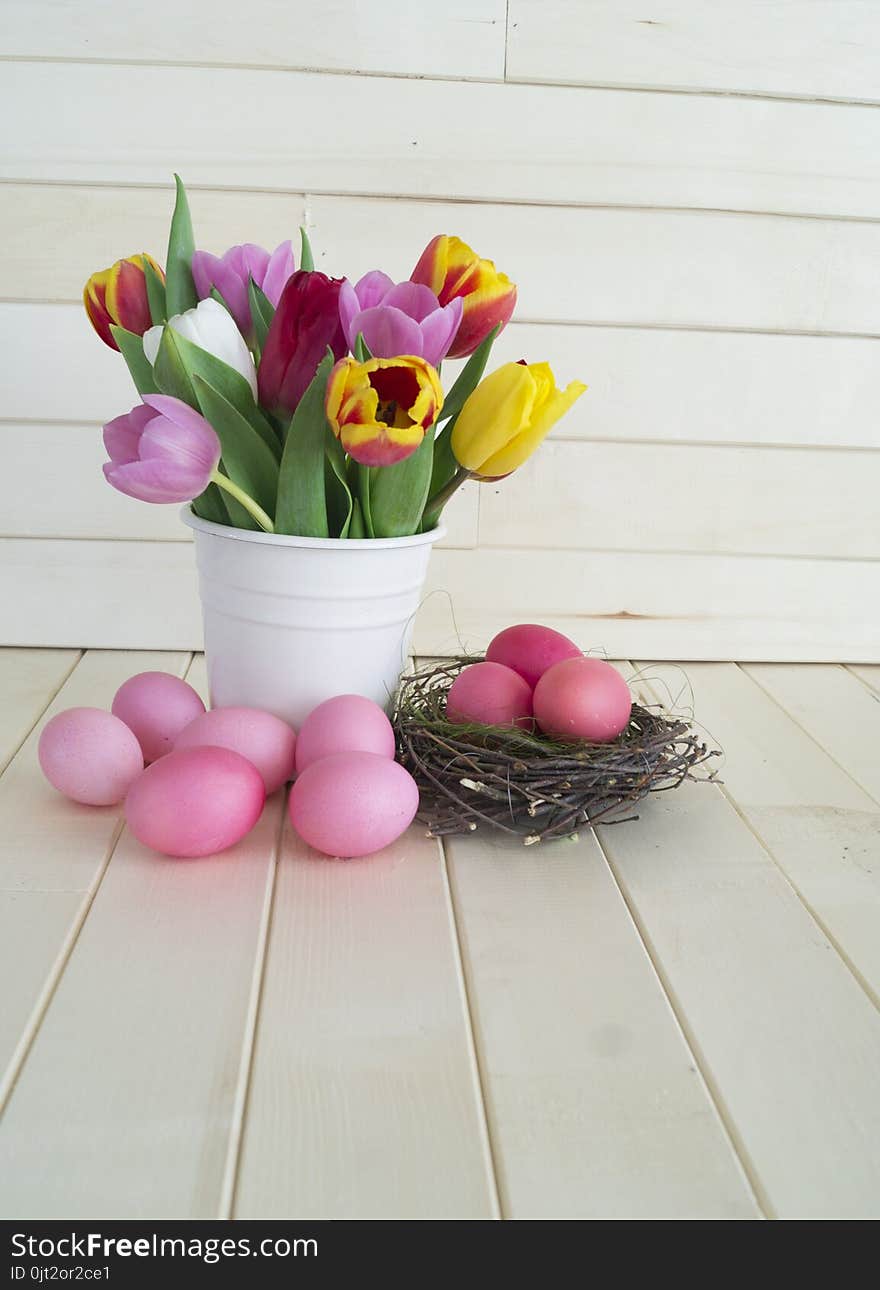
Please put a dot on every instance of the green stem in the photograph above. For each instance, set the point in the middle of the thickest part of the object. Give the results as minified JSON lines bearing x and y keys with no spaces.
{"x":435,"y":504}
{"x":245,"y":500}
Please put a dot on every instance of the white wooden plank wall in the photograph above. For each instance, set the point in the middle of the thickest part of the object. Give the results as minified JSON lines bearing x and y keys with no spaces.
{"x":688,"y":196}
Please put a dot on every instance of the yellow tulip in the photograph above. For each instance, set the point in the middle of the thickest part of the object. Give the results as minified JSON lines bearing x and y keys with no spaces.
{"x":507,"y":416}
{"x":380,"y":409}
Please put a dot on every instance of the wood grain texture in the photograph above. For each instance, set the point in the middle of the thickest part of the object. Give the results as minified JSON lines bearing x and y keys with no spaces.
{"x":644,"y":384}
{"x":788,"y":1039}
{"x":595,"y":1103}
{"x":148,"y":1024}
{"x":407,"y":37}
{"x":29,"y":681}
{"x":869,"y":676}
{"x":821,"y":828}
{"x":828,"y":49}
{"x":632,"y":148}
{"x":53,"y":853}
{"x":750,"y":501}
{"x":835,"y":708}
{"x":757,"y":608}
{"x":363,"y":1096}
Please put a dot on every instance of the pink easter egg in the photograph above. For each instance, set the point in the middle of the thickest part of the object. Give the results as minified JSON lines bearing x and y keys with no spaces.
{"x":346,"y":723}
{"x":530,"y":649}
{"x":156,"y":706}
{"x":265,"y":740}
{"x":195,"y":802}
{"x":353,"y":803}
{"x":583,"y":698}
{"x":490,"y":694}
{"x":90,"y":756}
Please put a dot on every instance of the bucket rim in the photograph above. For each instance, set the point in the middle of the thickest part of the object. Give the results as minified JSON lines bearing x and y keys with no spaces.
{"x":198,"y":525}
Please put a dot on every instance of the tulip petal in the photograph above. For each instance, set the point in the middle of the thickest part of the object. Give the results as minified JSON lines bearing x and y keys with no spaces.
{"x":95,"y":301}
{"x":384,"y":447}
{"x":372,"y":288}
{"x":388,"y":332}
{"x":520,"y":448}
{"x":281,"y":265}
{"x":154,"y":481}
{"x":489,"y":306}
{"x":439,"y":330}
{"x":122,"y":435}
{"x":349,"y":308}
{"x":177,"y":412}
{"x":413,"y":299}
{"x":431,"y":268}
{"x":498,"y":410}
{"x":152,"y":341}
{"x":196,"y":448}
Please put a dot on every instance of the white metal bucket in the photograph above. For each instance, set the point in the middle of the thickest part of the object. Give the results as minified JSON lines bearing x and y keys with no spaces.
{"x":291,"y":621}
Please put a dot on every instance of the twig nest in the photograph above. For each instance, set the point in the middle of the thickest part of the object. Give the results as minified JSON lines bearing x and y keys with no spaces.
{"x":524,"y":782}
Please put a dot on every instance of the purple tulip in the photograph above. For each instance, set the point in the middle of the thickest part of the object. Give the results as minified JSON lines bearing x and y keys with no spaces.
{"x":402,"y":319}
{"x":229,"y":273}
{"x":161,"y":451}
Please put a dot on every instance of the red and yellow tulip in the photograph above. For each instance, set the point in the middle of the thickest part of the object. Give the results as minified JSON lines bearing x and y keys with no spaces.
{"x":380,"y":409}
{"x":453,"y":271}
{"x":119,"y":295}
{"x":507,"y":416}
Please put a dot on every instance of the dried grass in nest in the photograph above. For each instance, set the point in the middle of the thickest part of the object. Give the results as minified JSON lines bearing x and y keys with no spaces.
{"x":527,"y":784}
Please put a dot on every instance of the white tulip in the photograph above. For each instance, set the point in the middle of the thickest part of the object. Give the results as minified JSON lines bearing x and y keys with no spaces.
{"x":212,"y":328}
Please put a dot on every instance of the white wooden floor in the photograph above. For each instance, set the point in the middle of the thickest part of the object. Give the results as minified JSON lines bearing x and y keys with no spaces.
{"x":677,"y":1018}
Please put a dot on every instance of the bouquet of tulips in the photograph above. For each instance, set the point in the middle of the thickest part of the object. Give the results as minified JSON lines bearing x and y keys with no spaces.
{"x":281,"y":399}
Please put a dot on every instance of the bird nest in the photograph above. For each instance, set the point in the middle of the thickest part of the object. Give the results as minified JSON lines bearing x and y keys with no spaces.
{"x":526,"y":784}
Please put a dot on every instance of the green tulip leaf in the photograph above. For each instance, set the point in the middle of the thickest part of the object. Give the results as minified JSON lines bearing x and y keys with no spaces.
{"x":180,"y":291}
{"x":468,"y":378}
{"x":215,"y":295}
{"x":155,"y":293}
{"x":445,"y":464}
{"x":170,"y":371}
{"x":246,"y":458}
{"x":302,"y":497}
{"x":131,"y":347}
{"x":339,"y":502}
{"x":364,"y":485}
{"x":226,"y":381}
{"x":361,"y":351}
{"x":356,"y":528}
{"x":209,"y":505}
{"x":398,"y":493}
{"x":306,"y":257}
{"x":262,"y":313}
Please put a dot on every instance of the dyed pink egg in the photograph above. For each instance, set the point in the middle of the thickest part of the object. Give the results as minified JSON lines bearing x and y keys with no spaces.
{"x":90,"y":756}
{"x":156,"y":706}
{"x":490,"y":694}
{"x":346,"y":723}
{"x":195,"y":802}
{"x":265,"y":740}
{"x":583,"y":698}
{"x":530,"y":649}
{"x":353,"y":803}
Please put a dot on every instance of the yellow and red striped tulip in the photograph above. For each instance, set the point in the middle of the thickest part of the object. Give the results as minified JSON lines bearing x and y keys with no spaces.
{"x":380,"y":409}
{"x":507,"y":416}
{"x":453,"y":271}
{"x":119,"y":295}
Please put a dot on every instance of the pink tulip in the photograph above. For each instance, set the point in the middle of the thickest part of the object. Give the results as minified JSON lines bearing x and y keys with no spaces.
{"x":406,"y":318}
{"x":161,"y":451}
{"x":229,"y":273}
